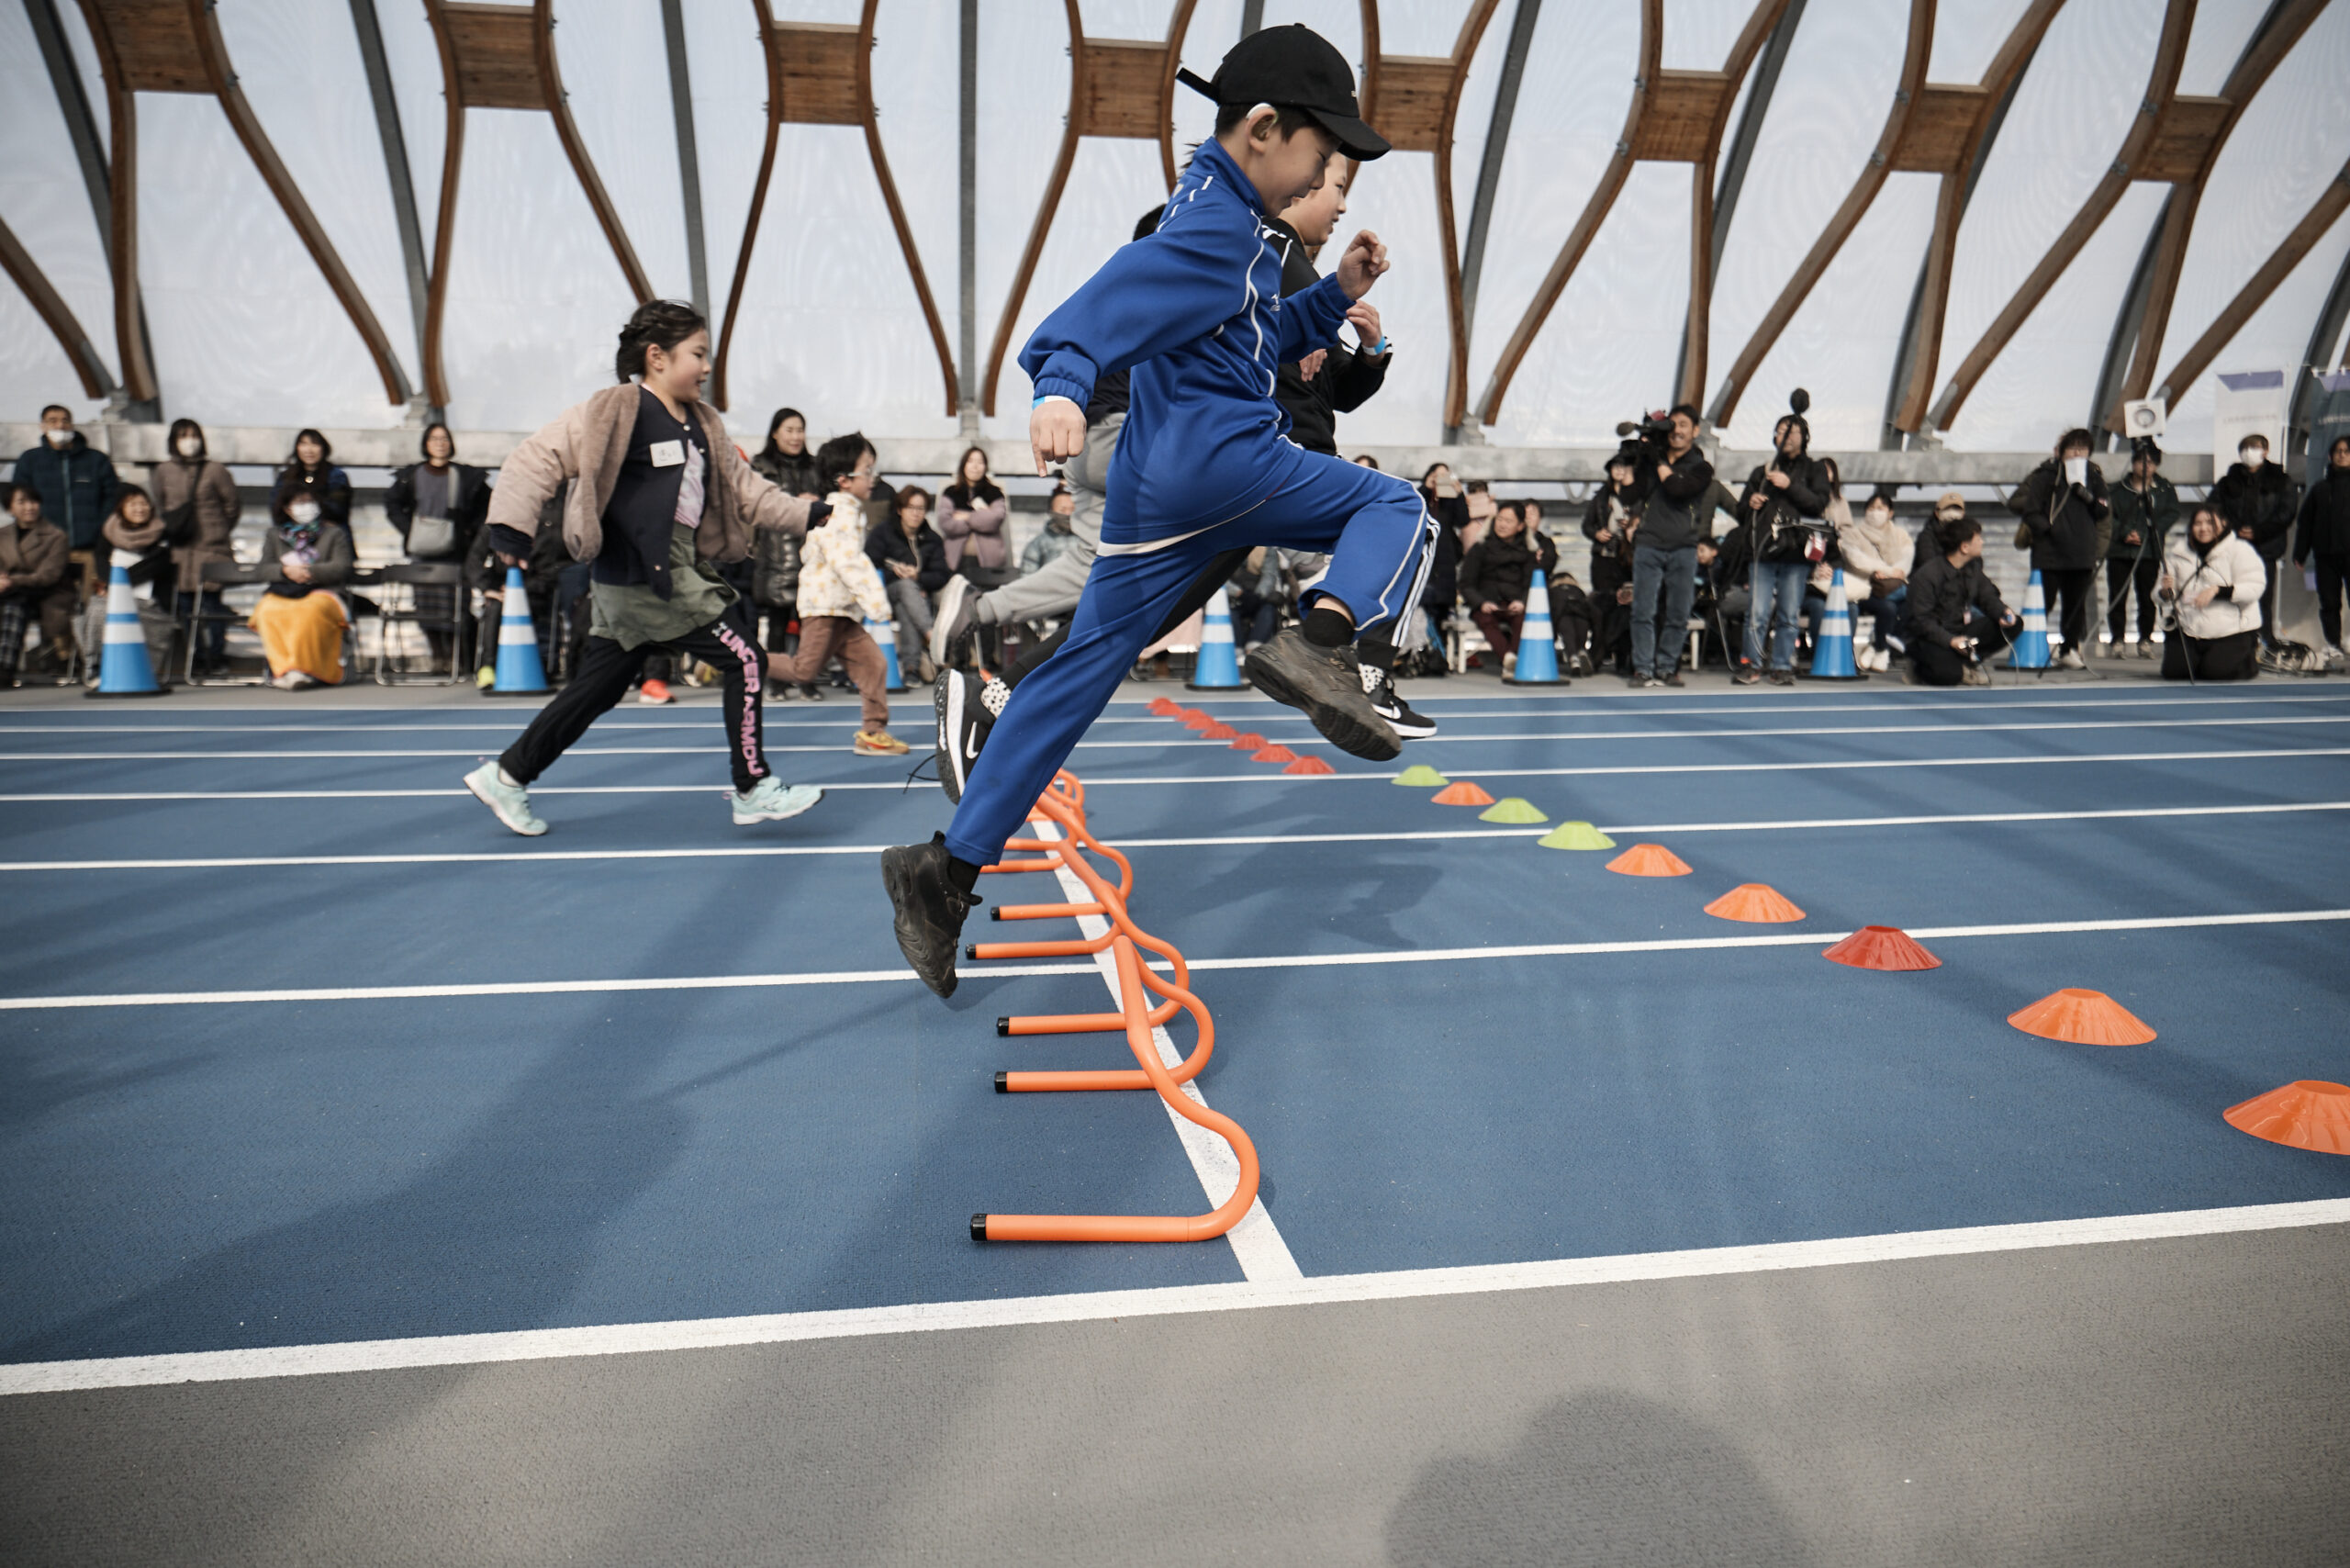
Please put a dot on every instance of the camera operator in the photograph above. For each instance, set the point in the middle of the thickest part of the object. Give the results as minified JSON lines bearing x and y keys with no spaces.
{"x":2146,"y":509}
{"x":2255,"y":498}
{"x":1665,"y":552}
{"x":2062,"y":505}
{"x":2214,"y":582}
{"x":1782,"y":509}
{"x":1956,"y":618}
{"x":1609,"y":522}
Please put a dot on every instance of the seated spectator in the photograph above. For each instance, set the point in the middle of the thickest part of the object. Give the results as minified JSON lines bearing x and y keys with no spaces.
{"x":1609,"y":522}
{"x":32,"y":580}
{"x":838,"y":588}
{"x":911,"y":559}
{"x":1365,"y":460}
{"x":2063,"y":506}
{"x":971,"y":512}
{"x":1956,"y":618}
{"x":309,"y":471}
{"x":2216,"y":580}
{"x":1877,"y":554}
{"x":2146,"y":509}
{"x":785,"y":461}
{"x":2324,"y":535}
{"x":1057,"y":537}
{"x":198,"y":499}
{"x":437,"y":507}
{"x":300,"y":617}
{"x":544,"y":570}
{"x":1497,"y":573}
{"x":137,"y":528}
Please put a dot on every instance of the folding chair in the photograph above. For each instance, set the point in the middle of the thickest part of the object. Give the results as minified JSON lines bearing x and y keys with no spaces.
{"x":395,"y":609}
{"x":217,"y":576}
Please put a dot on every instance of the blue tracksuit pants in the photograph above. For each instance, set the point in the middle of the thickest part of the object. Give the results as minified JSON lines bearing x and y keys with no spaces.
{"x":1380,"y":539}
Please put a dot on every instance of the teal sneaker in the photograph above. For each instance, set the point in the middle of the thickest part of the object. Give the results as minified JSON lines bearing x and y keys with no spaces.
{"x":511,"y":801}
{"x":771,"y":800}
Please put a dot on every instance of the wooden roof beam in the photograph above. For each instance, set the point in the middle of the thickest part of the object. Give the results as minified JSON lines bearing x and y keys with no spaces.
{"x":2330,"y":206}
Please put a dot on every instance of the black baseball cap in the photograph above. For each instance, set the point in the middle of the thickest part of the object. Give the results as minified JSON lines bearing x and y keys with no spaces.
{"x":1293,"y":67}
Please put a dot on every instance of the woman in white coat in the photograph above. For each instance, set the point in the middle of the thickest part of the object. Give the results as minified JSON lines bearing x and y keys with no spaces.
{"x":2210,"y":591}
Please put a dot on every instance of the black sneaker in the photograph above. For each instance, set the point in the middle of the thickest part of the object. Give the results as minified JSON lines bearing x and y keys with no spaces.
{"x":930,"y":909}
{"x":1675,"y":680}
{"x":1325,"y":685}
{"x":1389,"y":704}
{"x":966,"y":711}
{"x":811,"y":692}
{"x":950,"y":628}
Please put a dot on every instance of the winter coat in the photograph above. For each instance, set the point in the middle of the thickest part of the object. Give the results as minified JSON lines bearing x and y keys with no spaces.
{"x":1451,"y":513}
{"x":1941,"y":595}
{"x":1346,"y":381}
{"x":1610,"y":562}
{"x":325,"y":483}
{"x":592,"y":442}
{"x":146,"y":542}
{"x":2260,"y":500}
{"x":1500,"y":571}
{"x":836,"y":577}
{"x":468,"y":504}
{"x":792,"y":473}
{"x":2325,"y":518}
{"x":886,"y":540}
{"x":76,"y":485}
{"x":1054,"y":540}
{"x":329,"y":568}
{"x":1869,"y":552}
{"x":2062,"y":523}
{"x":974,"y":528}
{"x":33,"y":559}
{"x":2150,"y":516}
{"x":1790,"y":514}
{"x":2233,"y":567}
{"x":1669,"y":519}
{"x":212,"y":492}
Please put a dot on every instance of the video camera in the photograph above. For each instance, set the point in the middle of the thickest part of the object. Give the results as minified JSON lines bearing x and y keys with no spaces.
{"x":1645,"y":441}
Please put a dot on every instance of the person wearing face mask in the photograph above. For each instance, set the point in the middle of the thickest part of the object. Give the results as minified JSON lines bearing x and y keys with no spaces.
{"x":1878,"y":554}
{"x":437,"y":507}
{"x":2324,"y":534}
{"x":199,"y":501}
{"x":2062,"y":503}
{"x":300,"y":617}
{"x":310,"y":470}
{"x":77,"y":484}
{"x":2254,"y":498}
{"x":2213,"y":582}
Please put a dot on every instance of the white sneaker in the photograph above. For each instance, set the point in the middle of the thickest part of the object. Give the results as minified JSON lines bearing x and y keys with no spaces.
{"x":295,"y":680}
{"x":511,"y":801}
{"x":772,"y":801}
{"x":2072,"y":660}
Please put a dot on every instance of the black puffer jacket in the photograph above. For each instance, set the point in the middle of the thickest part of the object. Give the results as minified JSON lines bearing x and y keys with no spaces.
{"x":1790,"y":515}
{"x":2325,"y":517}
{"x":1451,"y":513}
{"x":886,"y":542}
{"x":793,"y":473}
{"x":1610,"y":562}
{"x":1347,"y":380}
{"x":1940,"y":593}
{"x":2260,"y":499}
{"x":2063,"y":520}
{"x":1500,"y":571}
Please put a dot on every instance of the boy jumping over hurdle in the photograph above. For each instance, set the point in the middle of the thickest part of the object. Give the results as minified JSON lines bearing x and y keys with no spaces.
{"x":1195,"y":311}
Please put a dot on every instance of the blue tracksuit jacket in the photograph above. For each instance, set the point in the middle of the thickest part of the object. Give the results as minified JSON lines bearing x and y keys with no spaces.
{"x":1195,"y":311}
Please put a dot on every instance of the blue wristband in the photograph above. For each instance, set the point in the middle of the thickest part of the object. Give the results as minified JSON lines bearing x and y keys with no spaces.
{"x":1381,"y":349}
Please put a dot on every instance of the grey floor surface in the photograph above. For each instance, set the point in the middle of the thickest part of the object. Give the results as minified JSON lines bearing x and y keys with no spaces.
{"x":2171,"y":1401}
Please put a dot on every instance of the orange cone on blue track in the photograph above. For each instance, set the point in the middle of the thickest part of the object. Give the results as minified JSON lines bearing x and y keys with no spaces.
{"x":124,"y":668}
{"x":519,"y":672}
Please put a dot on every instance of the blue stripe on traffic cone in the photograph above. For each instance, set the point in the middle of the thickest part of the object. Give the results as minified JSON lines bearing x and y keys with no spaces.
{"x":1537,"y":653}
{"x":1217,"y":669}
{"x":124,"y":668}
{"x":881,"y":633}
{"x":519,"y":672}
{"x":2032,"y":642}
{"x":1832,"y":651}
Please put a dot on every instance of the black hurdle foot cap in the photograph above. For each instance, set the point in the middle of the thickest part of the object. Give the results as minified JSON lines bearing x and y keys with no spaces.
{"x":978,"y":1228}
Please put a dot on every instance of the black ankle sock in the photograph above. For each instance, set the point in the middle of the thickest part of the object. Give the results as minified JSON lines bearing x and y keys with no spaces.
{"x":1377,"y":652}
{"x":1325,"y":628}
{"x":961,"y":873}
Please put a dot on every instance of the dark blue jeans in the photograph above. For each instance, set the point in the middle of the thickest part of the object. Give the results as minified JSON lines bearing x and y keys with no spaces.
{"x":1674,"y":574}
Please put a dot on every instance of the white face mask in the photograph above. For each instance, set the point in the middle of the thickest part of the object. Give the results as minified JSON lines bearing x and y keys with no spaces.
{"x":190,"y":445}
{"x":2076,"y":470}
{"x":58,"y":438}
{"x":2252,"y":456}
{"x":304,"y":512}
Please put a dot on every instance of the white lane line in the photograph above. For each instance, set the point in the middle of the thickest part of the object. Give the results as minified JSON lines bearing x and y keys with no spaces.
{"x":1257,"y":1243}
{"x":242,"y":862}
{"x":1179,"y":741}
{"x":1264,"y":776}
{"x":1405,"y":1285}
{"x":1283,"y":961}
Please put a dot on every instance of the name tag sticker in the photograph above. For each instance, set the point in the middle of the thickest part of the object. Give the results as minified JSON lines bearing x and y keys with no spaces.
{"x":668,"y":454}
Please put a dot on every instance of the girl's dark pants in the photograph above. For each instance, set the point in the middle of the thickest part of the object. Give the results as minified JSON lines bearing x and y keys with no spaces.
{"x":607,"y":671}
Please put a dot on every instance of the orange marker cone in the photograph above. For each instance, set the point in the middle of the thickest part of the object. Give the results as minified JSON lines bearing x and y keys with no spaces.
{"x":1756,"y":903}
{"x":1309,"y":765}
{"x":1166,"y":707}
{"x":1274,"y":753}
{"x":2082,"y":1018}
{"x":1881,"y":947}
{"x":1649,"y":860}
{"x":1248,"y":743}
{"x":1464,"y":794}
{"x":1195,"y":720}
{"x":1218,"y":732}
{"x":2308,"y":1113}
